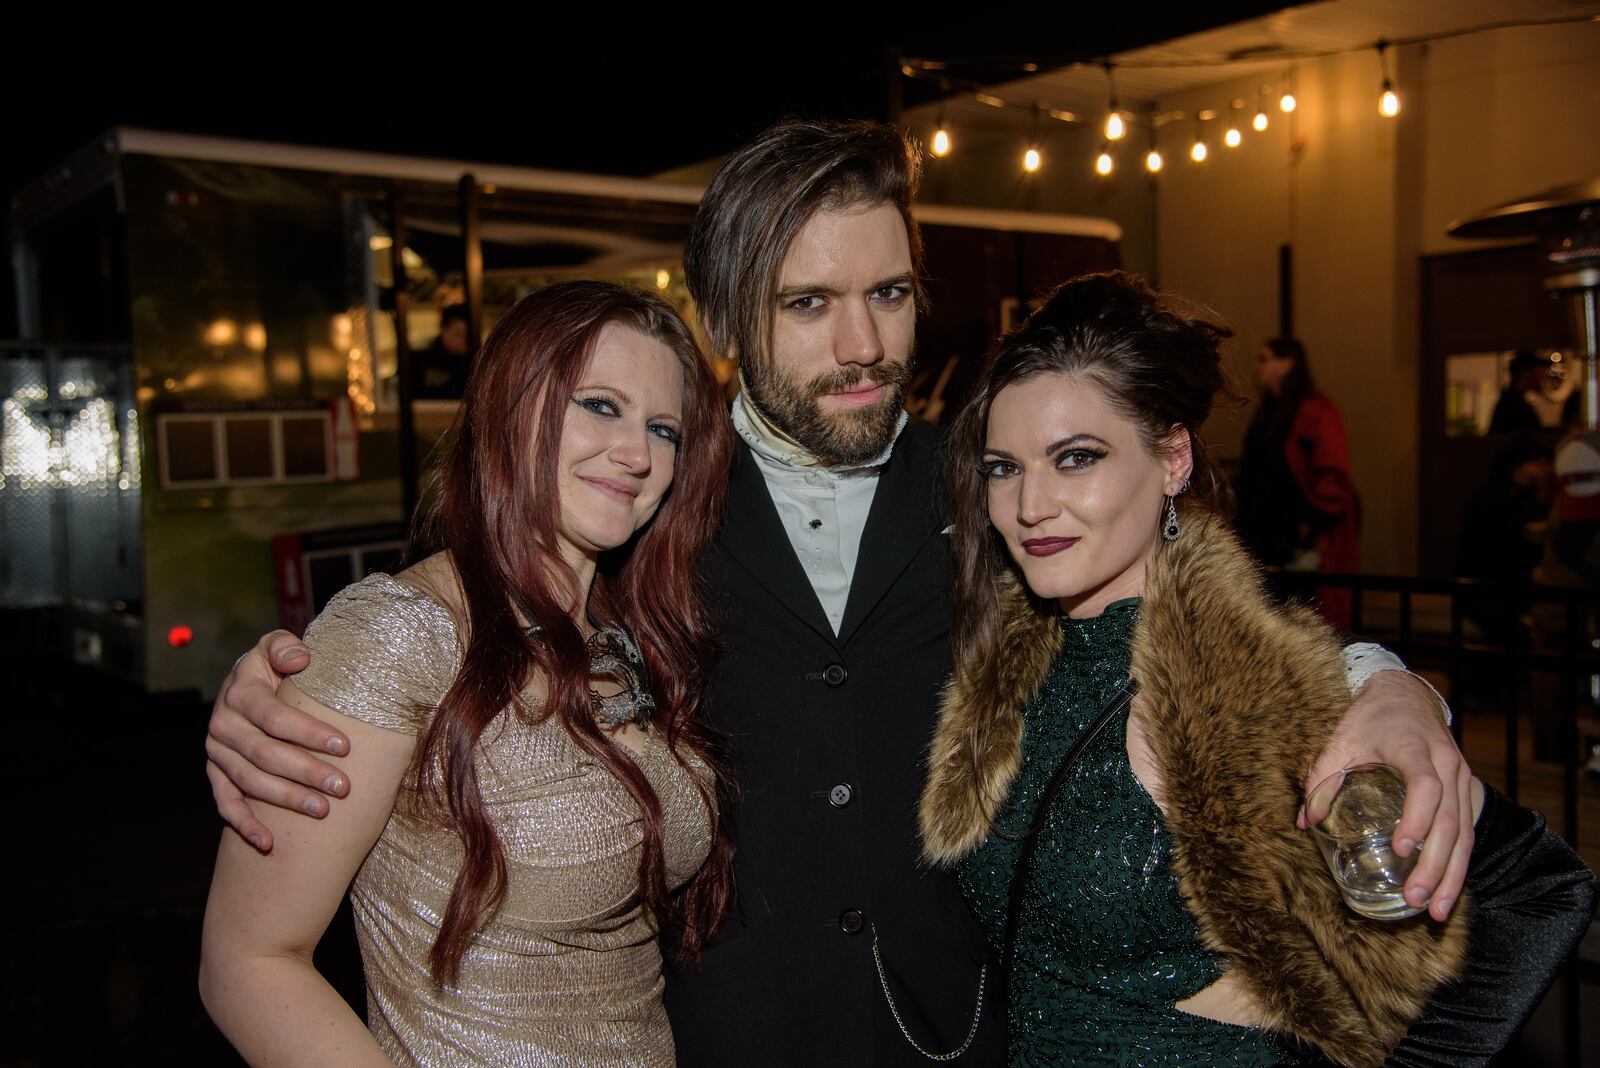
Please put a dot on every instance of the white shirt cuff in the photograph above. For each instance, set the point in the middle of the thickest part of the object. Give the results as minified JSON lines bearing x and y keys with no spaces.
{"x":1362,"y":660}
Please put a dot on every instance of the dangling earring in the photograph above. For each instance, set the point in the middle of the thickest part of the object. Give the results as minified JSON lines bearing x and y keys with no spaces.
{"x":1169,"y":528}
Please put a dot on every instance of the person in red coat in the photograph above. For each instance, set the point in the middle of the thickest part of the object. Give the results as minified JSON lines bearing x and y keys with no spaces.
{"x":1298,"y":507}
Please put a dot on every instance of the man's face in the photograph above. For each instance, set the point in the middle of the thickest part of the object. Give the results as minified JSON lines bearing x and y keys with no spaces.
{"x":834,"y":376}
{"x":453,"y":336}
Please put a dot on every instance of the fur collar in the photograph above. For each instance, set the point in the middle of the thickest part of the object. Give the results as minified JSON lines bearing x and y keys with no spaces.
{"x":1237,"y":699}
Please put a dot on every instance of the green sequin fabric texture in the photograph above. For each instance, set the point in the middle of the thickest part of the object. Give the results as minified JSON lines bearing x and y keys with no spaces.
{"x":1105,"y":947}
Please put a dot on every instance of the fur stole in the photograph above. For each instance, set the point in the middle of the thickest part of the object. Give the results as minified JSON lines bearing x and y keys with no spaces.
{"x":1237,"y":699}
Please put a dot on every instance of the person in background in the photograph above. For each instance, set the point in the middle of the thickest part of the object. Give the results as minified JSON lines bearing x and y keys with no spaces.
{"x":1496,"y":543}
{"x":1512,"y":412}
{"x":442,"y":368}
{"x":1298,"y":507}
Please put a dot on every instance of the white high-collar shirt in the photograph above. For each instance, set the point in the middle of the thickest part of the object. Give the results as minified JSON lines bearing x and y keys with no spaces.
{"x":823,"y":509}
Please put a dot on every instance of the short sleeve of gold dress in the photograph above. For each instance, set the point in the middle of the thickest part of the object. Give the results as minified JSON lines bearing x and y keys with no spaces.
{"x":567,"y":971}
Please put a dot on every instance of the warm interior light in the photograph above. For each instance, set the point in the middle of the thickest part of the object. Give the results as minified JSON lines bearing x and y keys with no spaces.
{"x":663,"y":278}
{"x":1030,"y":160}
{"x":1260,"y":121}
{"x":255,"y":337}
{"x":380,"y":242}
{"x":1115,"y":127}
{"x":1153,"y":162}
{"x":222,"y":332}
{"x":1232,"y":137}
{"x":1389,"y":102}
{"x":941,"y":142}
{"x":1103,"y":163}
{"x":1198,"y":152}
{"x":1286,"y":103}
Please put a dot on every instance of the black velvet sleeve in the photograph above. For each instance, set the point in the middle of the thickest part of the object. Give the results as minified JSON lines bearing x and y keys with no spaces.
{"x":1532,"y":899}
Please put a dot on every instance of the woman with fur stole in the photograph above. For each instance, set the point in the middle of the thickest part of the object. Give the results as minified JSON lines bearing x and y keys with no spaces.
{"x":1171,"y":911}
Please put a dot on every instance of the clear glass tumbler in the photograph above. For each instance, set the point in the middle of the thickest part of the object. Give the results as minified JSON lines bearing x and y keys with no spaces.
{"x":1358,"y":809}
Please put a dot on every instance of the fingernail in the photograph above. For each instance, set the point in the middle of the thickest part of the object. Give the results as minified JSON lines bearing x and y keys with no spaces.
{"x":333,"y":784}
{"x":1418,"y":895}
{"x":1405,"y":846}
{"x":255,"y":840}
{"x":1445,"y":905}
{"x":312,"y":806}
{"x":335,"y":746}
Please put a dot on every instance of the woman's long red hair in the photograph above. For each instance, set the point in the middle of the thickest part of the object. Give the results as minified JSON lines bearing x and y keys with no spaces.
{"x":497,"y":516}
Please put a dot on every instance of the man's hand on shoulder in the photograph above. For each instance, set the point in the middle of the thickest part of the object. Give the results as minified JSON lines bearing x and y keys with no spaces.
{"x":259,"y":747}
{"x":1395,"y":719}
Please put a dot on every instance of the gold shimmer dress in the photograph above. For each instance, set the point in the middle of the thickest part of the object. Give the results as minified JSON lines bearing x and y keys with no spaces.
{"x":567,"y":971}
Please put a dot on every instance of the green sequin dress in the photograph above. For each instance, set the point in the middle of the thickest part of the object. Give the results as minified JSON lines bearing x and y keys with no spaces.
{"x":1105,"y":947}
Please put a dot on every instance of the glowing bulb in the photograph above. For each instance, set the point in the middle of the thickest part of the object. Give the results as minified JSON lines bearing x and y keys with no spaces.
{"x":1232,"y":137}
{"x":1389,"y":102}
{"x":1153,"y":162}
{"x":255,"y":337}
{"x":663,"y":278}
{"x":1198,"y":152}
{"x":1286,"y":103}
{"x":1260,"y":121}
{"x":941,"y":142}
{"x":1030,"y":160}
{"x":1103,"y":164}
{"x":1115,"y":127}
{"x":221,"y":333}
{"x":380,"y":242}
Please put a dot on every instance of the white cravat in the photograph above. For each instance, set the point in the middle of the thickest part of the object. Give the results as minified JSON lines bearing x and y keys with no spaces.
{"x":823,"y":509}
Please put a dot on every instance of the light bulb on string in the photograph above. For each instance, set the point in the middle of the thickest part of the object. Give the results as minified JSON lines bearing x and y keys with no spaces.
{"x":1388,"y":99}
{"x":1031,"y":158}
{"x":1153,"y":161}
{"x":1287,"y":102}
{"x":1103,"y":163}
{"x":1232,"y":137}
{"x":941,"y":135}
{"x":1116,"y":128}
{"x":1197,"y":151}
{"x":1389,"y":102}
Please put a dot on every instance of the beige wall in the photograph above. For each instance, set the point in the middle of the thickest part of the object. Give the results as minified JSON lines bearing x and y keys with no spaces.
{"x":1485,"y":118}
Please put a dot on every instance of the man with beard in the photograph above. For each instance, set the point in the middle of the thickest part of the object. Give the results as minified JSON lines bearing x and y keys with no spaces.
{"x":831,"y":569}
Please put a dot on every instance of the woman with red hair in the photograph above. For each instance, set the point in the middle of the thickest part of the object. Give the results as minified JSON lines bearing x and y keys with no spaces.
{"x":537,"y":799}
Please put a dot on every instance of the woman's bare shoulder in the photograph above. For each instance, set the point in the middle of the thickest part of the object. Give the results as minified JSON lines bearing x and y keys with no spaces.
{"x":435,"y":577}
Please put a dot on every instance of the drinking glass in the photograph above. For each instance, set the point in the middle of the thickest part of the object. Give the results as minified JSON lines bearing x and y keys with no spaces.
{"x":1360,"y":807}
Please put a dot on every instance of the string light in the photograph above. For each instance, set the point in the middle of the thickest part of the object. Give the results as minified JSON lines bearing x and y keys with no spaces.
{"x":1197,"y":151}
{"x":1287,"y":102}
{"x":1260,"y":121}
{"x":1388,"y":100}
{"x":1152,"y":160}
{"x":941,"y":134}
{"x":1031,"y":158}
{"x":1103,"y":163}
{"x":1115,"y":127}
{"x":1232,"y":137}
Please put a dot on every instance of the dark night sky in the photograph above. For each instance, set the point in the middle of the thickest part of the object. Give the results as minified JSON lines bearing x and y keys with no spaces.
{"x":613,"y":95}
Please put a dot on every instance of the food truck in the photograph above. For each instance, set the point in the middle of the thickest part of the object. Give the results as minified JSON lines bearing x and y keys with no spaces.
{"x":211,"y":421}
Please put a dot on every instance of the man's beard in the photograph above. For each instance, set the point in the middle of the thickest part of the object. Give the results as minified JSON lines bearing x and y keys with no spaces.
{"x":849,"y":436}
